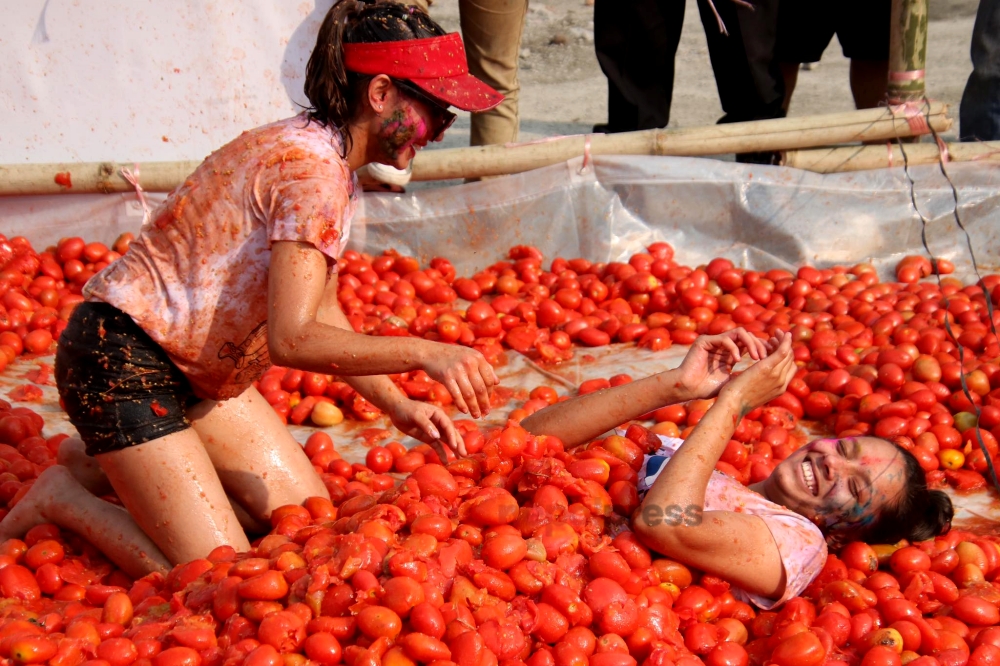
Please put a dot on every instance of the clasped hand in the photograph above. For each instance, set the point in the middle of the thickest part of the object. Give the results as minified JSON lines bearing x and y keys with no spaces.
{"x":708,"y":365}
{"x":767,"y":379}
{"x":707,"y":368}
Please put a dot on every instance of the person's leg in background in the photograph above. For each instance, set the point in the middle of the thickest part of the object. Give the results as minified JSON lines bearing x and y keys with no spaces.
{"x":805,"y":29}
{"x":866,"y":43}
{"x":492,"y":30}
{"x":869,"y":81}
{"x":979,"y":112}
{"x":635,"y":42}
{"x":746,"y":72}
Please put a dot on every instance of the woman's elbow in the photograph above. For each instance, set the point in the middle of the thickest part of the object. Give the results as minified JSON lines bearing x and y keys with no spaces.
{"x":648,"y":525}
{"x":671,"y":530}
{"x":282,"y":350}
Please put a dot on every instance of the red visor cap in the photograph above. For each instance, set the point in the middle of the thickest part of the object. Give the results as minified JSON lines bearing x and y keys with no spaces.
{"x":436,"y":65}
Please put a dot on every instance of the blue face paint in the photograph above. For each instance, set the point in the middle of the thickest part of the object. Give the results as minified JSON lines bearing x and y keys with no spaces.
{"x":855,"y":514}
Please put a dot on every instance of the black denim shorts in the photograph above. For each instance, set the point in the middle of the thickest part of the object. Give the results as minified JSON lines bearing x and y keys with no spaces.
{"x":118,"y":386}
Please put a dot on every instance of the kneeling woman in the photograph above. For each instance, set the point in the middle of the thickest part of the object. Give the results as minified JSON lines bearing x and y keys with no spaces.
{"x":236,"y":270}
{"x":769,"y":539}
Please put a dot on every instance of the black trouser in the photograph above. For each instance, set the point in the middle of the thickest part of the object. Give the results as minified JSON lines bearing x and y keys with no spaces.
{"x":746,"y":72}
{"x":636,"y":41}
{"x":979,"y":112}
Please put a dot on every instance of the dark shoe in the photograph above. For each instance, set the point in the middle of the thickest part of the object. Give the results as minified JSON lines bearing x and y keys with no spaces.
{"x":759,"y":158}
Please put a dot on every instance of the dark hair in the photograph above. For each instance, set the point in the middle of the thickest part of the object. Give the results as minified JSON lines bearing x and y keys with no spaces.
{"x":335,"y":95}
{"x":920,"y":514}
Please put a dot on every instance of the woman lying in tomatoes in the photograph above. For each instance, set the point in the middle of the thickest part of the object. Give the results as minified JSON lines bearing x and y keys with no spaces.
{"x":236,"y":270}
{"x":769,"y":539}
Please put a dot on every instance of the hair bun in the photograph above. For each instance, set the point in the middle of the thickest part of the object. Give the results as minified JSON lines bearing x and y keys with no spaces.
{"x":940,"y":511}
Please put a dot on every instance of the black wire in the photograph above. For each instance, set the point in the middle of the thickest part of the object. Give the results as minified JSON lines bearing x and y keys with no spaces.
{"x":975,"y":268}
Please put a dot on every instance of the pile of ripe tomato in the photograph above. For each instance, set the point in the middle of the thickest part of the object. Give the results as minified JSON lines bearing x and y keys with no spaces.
{"x":504,"y":558}
{"x":878,"y":358}
{"x":513,"y":556}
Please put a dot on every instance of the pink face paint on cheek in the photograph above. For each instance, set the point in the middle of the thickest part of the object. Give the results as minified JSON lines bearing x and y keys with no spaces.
{"x":419,"y":134}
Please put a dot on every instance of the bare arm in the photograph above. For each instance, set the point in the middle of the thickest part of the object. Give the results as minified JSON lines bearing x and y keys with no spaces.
{"x":297,"y":338}
{"x":425,"y":422}
{"x":706,"y":368}
{"x":735,"y":546}
{"x":379,"y":389}
{"x":581,"y":419}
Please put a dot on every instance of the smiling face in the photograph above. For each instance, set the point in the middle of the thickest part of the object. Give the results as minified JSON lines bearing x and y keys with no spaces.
{"x":839,"y":483}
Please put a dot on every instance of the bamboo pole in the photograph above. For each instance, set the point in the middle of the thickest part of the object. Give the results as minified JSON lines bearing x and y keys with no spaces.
{"x":91,"y":177}
{"x":907,"y":51}
{"x":862,"y":158}
{"x":754,"y":136}
{"x":477,"y":162}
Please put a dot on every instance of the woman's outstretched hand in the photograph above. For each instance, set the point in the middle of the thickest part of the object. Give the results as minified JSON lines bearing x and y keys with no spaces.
{"x":765,"y":380}
{"x":466,"y":374}
{"x":429,"y":424}
{"x":709,"y":363}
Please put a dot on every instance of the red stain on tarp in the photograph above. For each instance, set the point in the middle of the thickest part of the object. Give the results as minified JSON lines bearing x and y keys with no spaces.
{"x":40,"y":375}
{"x":26,"y":393}
{"x":373,"y":436}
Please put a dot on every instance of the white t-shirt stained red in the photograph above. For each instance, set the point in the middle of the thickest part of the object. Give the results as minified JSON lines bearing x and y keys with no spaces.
{"x":196,"y":277}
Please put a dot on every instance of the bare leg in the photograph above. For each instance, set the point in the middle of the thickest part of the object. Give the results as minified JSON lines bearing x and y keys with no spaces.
{"x":57,"y":497}
{"x":790,"y":73}
{"x":869,"y":82}
{"x":249,"y":524}
{"x":173,"y":493}
{"x":86,"y":470}
{"x":258,"y":461}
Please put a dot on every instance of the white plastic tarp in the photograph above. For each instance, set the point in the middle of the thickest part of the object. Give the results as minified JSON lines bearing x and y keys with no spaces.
{"x":758,"y":216}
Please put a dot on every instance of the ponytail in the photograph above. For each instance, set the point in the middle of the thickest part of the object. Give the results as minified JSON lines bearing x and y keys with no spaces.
{"x":336,"y":96}
{"x":920,"y":514}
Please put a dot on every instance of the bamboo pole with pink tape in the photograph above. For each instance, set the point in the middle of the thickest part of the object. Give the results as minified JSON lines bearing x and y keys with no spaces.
{"x":907,"y":51}
{"x":755,"y":136}
{"x":863,"y":158}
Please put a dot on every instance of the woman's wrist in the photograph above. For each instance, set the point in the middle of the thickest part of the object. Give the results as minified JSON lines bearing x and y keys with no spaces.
{"x":418,"y":352}
{"x":673,"y":389}
{"x":733,"y":401}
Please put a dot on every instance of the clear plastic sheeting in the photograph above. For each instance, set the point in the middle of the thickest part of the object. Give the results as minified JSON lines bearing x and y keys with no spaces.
{"x":758,"y":216}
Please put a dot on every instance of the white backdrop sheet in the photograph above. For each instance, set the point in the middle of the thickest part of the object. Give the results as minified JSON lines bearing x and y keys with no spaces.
{"x":145,"y":80}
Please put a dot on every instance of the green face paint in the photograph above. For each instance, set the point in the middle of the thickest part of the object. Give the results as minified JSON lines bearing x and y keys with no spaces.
{"x":400,"y":132}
